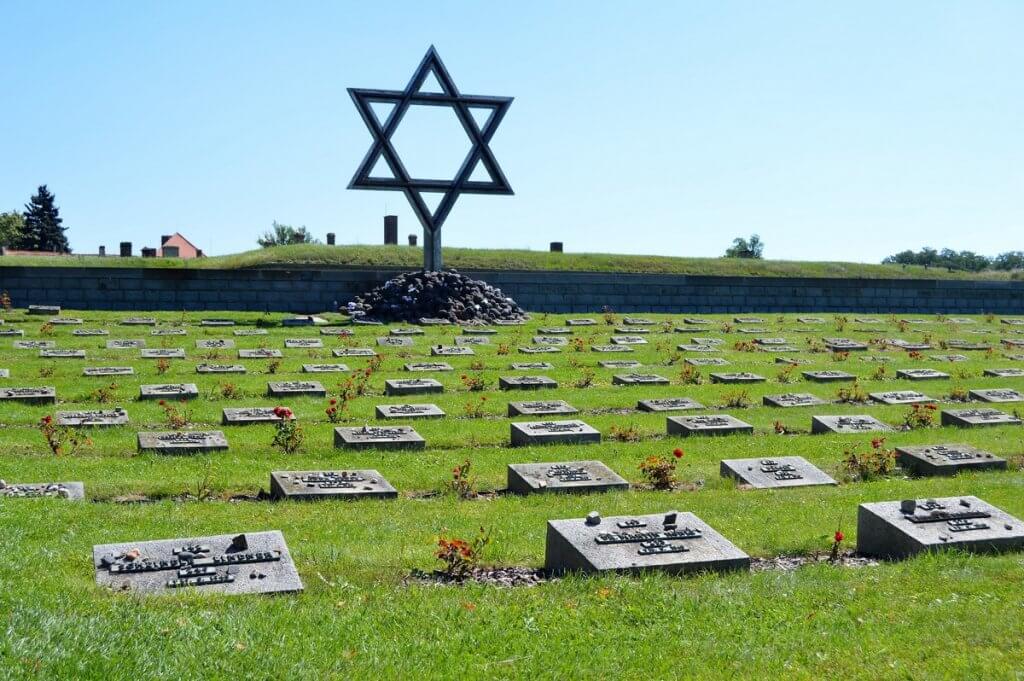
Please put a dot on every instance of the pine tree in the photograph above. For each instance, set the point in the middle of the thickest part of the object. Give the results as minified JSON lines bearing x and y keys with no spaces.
{"x":42,"y":230}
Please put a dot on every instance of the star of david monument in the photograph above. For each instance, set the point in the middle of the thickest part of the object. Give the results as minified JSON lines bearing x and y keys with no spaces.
{"x":479,"y":156}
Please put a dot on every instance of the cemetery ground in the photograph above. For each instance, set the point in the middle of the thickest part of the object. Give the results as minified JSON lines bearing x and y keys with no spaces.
{"x":368,"y":610}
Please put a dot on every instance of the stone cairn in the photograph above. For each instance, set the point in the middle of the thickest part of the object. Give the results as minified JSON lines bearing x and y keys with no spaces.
{"x":441,"y":295}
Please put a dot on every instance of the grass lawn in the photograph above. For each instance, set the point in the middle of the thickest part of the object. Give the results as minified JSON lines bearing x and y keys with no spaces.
{"x":405,"y":257}
{"x":948,"y":615}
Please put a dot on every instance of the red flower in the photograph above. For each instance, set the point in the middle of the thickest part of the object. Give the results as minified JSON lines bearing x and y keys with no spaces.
{"x":877,"y":442}
{"x":678,"y":453}
{"x":839,"y":536}
{"x":333,"y":402}
{"x":162,"y":402}
{"x":47,"y":419}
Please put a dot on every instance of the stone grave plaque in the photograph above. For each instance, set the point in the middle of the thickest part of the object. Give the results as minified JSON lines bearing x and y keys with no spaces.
{"x":215,"y":344}
{"x":960,"y":320}
{"x":11,"y":332}
{"x":900,"y":529}
{"x":907,"y":345}
{"x":407,"y":331}
{"x":44,"y":395}
{"x":541,"y":408}
{"x":395,"y":341}
{"x":810,"y":320}
{"x":539,"y":349}
{"x":619,"y":364}
{"x":362,"y":321}
{"x":250,"y":563}
{"x":183,"y":442}
{"x":946,"y":459}
{"x":59,"y":490}
{"x":412,"y":386}
{"x":700,"y":340}
{"x":792,"y":400}
{"x":34,"y":345}
{"x":968,"y":418}
{"x":509,"y":322}
{"x":696,"y":347}
{"x":316,"y":485}
{"x":920,"y":374}
{"x":901,"y":397}
{"x":771,"y":341}
{"x":138,"y":321}
{"x":65,"y":321}
{"x":98,"y":417}
{"x":781,"y":471}
{"x":948,"y":358}
{"x":867,"y":320}
{"x":168,"y":391}
{"x":580,"y":322}
{"x":295,"y":389}
{"x":1005,"y":373}
{"x":433,"y":321}
{"x":568,"y":476}
{"x":631,"y":330}
{"x":162,"y":353}
{"x":554,"y":331}
{"x":354,"y":352}
{"x":428,"y":366}
{"x":1012,"y":322}
{"x":916,"y":322}
{"x":751,"y":330}
{"x":216,"y":322}
{"x":252,"y":332}
{"x":125,"y":344}
{"x":707,"y":361}
{"x":668,"y":404}
{"x":737,"y":377}
{"x":408,"y":411}
{"x":62,"y":354}
{"x":967,"y":346}
{"x":629,"y":340}
{"x":262,"y":353}
{"x":844,"y":345}
{"x":243,"y":416}
{"x":301,"y":343}
{"x":828,"y":376}
{"x":550,"y":340}
{"x":169,"y":332}
{"x":1013,"y":342}
{"x":611,"y":348}
{"x":526,"y":433}
{"x":44,"y":309}
{"x":450,"y":350}
{"x":324,"y":368}
{"x":716,"y":424}
{"x":306,"y":320}
{"x":373,"y":437}
{"x":748,"y":320}
{"x":526,"y":382}
{"x":472,"y":340}
{"x":220,"y":369}
{"x":997,"y":395}
{"x":848,"y":424}
{"x":90,"y":332}
{"x":695,"y":321}
{"x":108,"y":371}
{"x":673,"y":542}
{"x":639,"y":379}
{"x":531,"y":366}
{"x":638,"y":321}
{"x":478,"y":331}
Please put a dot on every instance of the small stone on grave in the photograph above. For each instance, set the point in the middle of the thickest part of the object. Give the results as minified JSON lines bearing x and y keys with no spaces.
{"x":58,"y":490}
{"x":44,"y":395}
{"x":792,"y":400}
{"x":901,"y":397}
{"x":262,"y":353}
{"x":319,"y":485}
{"x":997,"y":395}
{"x":295,"y":388}
{"x":373,"y":437}
{"x":900,"y":529}
{"x":737,"y":377}
{"x":541,"y":408}
{"x":183,"y":442}
{"x":715,"y":424}
{"x":527,"y":433}
{"x":408,"y":411}
{"x":828,"y":376}
{"x":220,"y":369}
{"x":639,"y":379}
{"x":169,"y":391}
{"x":96,"y":417}
{"x":162,"y":353}
{"x":412,"y":386}
{"x":5,"y":373}
{"x":848,"y":424}
{"x":108,"y":371}
{"x":242,"y":416}
{"x":946,"y":459}
{"x":526,"y":382}
{"x":677,"y":543}
{"x":967,"y":418}
{"x":568,"y":476}
{"x":771,"y":473}
{"x":668,"y":404}
{"x":256,"y":562}
{"x":428,"y":366}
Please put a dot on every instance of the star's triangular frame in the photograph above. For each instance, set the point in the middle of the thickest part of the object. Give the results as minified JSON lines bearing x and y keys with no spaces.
{"x":479,"y":135}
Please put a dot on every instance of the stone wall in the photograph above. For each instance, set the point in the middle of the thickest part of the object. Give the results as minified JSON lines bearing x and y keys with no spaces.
{"x":316,"y":290}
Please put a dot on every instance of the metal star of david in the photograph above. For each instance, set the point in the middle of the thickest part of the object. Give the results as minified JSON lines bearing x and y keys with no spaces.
{"x":413,"y":188}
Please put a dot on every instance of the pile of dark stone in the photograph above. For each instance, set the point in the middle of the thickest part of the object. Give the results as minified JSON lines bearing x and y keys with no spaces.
{"x":439,"y":295}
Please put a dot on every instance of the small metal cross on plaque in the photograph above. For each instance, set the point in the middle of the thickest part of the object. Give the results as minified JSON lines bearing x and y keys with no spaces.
{"x":413,"y":188}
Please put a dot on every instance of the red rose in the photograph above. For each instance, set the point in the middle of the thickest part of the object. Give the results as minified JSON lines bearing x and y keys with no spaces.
{"x":333,"y":402}
{"x":162,"y":402}
{"x":678,"y":453}
{"x":839,"y":536}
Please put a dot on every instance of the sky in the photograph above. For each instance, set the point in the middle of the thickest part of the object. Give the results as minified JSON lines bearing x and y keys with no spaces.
{"x":835,"y":131}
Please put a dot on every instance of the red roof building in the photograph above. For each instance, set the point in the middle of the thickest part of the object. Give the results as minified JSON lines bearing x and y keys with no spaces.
{"x":177,"y":246}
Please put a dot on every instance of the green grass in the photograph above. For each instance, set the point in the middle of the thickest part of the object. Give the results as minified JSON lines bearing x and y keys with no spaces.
{"x":405,"y":258}
{"x":947,"y":615}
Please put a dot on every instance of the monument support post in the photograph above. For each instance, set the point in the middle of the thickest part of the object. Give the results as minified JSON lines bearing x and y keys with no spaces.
{"x":432,"y":260}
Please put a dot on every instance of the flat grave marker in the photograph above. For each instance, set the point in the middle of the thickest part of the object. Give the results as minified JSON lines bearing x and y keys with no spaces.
{"x":243,"y":416}
{"x":215,"y":344}
{"x":62,"y":354}
{"x":108,"y":371}
{"x":712,"y":424}
{"x":788,"y":400}
{"x":138,"y":321}
{"x":44,"y":309}
{"x":639,"y":379}
{"x":354,"y":352}
{"x":88,"y":333}
{"x":162,"y":353}
{"x":168,"y":391}
{"x":406,"y":331}
{"x":125,"y":344}
{"x":429,"y":366}
{"x":183,"y":442}
{"x":531,"y":366}
{"x":619,"y":364}
{"x":395,"y":341}
{"x":737,"y":377}
{"x":408,"y":411}
{"x":848,"y":424}
{"x":997,"y":395}
{"x":946,"y":459}
{"x":549,"y":340}
{"x":527,"y":433}
{"x":320,"y":485}
{"x":262,"y":353}
{"x":781,"y":471}
{"x":324,"y":368}
{"x":1005,"y":373}
{"x":526,"y":383}
{"x":540,"y":349}
{"x":220,"y":369}
{"x":611,"y":348}
{"x":844,"y":345}
{"x":251,"y":332}
{"x":43,"y":395}
{"x":412,"y":386}
{"x":94,"y":417}
{"x":668,"y":404}
{"x":169,"y":332}
{"x":373,"y":437}
{"x":893,"y":397}
{"x":567,"y":476}
{"x":921,"y":374}
{"x":451,"y":351}
{"x":541,"y":408}
{"x":34,"y":345}
{"x":828,"y":376}
{"x":295,"y":389}
{"x":969,"y":418}
{"x":707,"y":361}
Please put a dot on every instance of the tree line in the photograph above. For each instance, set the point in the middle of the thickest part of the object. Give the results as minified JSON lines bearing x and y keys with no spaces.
{"x":967,"y":261}
{"x":37,"y":228}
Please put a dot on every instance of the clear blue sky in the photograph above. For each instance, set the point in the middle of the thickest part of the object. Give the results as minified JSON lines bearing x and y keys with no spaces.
{"x":842,"y":132}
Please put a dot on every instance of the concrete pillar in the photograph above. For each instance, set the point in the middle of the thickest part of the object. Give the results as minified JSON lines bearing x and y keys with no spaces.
{"x":126,"y":249}
{"x":390,"y":229}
